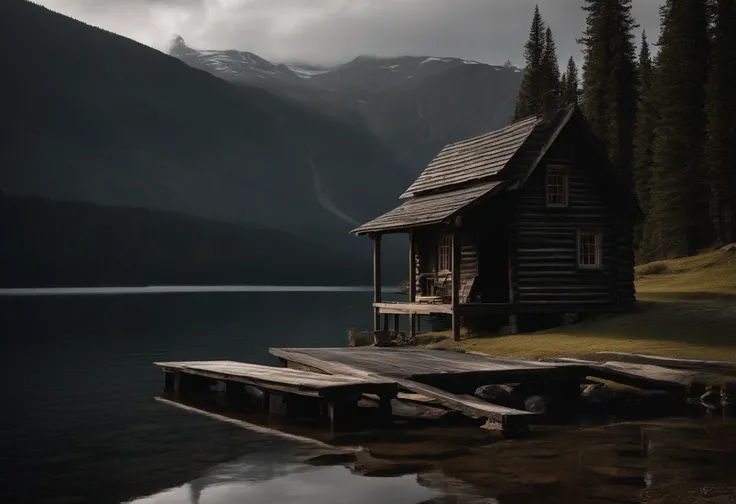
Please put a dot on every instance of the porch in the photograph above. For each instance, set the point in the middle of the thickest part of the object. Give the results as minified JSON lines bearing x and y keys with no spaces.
{"x":422,"y":308}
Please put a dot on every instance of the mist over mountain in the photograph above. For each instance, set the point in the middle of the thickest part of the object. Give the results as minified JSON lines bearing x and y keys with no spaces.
{"x":414,"y":104}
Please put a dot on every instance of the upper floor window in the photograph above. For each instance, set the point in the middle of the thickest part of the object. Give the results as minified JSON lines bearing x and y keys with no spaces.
{"x":589,"y":249}
{"x":444,"y":255}
{"x":557,"y":187}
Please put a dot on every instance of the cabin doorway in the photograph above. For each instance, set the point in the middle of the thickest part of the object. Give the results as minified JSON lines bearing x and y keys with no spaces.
{"x":494,"y":266}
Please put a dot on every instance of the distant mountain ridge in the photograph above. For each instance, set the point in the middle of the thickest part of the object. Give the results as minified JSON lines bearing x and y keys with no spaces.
{"x":364,"y":74}
{"x":414,"y":104}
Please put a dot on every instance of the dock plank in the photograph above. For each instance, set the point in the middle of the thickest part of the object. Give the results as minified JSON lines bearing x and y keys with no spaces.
{"x":421,"y":364}
{"x":284,"y":379}
{"x":645,"y":376}
{"x":509,"y":418}
{"x":711,"y":366}
{"x":413,"y":368}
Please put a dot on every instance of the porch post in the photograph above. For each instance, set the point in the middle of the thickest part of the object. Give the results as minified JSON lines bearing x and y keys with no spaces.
{"x":412,"y":283}
{"x":376,"y":280}
{"x":456,"y":256}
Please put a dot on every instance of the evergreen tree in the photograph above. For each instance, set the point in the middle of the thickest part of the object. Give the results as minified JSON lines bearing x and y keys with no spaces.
{"x":721,"y":114}
{"x":678,"y":190}
{"x":570,"y":89}
{"x":551,"y":71}
{"x":529,"y":102}
{"x":643,"y":144}
{"x":609,"y":76}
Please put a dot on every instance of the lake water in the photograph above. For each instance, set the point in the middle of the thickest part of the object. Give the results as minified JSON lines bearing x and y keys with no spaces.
{"x":80,"y":421}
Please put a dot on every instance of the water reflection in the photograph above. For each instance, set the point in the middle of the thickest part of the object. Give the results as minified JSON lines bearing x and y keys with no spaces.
{"x":618,"y":463}
{"x":246,"y":481}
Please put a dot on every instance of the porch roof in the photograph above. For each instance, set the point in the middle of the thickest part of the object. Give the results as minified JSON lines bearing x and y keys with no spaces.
{"x":427,"y":210}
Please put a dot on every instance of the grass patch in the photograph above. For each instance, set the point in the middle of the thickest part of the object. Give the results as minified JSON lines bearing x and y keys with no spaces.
{"x":686,"y":309}
{"x":708,"y":276}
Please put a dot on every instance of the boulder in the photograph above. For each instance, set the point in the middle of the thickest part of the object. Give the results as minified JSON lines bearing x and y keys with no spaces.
{"x":501,"y":394}
{"x":597,"y":393}
{"x":359,"y":338}
{"x":382,"y":339}
{"x":711,"y":399}
{"x":538,"y":403}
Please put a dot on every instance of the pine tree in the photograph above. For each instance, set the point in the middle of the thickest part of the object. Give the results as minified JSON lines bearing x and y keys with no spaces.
{"x":609,"y":77}
{"x":721,"y":114}
{"x":551,"y":97}
{"x":679,"y":209}
{"x":643,"y":144}
{"x":529,"y":102}
{"x":570,"y":89}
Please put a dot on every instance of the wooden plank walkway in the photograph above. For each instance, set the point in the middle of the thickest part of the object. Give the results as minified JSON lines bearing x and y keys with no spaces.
{"x":643,"y":376}
{"x":283,"y":379}
{"x":423,"y":364}
{"x":510,"y":419}
{"x":711,"y":366}
{"x":423,"y":371}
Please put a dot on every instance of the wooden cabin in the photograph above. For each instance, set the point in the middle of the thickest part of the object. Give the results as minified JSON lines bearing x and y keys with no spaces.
{"x":531,"y":218}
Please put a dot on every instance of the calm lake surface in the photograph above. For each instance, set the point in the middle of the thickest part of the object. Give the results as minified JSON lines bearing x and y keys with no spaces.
{"x":81,"y":422}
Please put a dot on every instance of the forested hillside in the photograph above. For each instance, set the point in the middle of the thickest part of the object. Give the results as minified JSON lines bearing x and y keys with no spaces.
{"x":49,"y":243}
{"x":668,"y":121}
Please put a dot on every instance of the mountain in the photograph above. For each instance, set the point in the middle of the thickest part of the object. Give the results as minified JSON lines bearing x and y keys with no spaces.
{"x":98,"y":118}
{"x":233,"y":65}
{"x":50,"y":243}
{"x":415,"y":105}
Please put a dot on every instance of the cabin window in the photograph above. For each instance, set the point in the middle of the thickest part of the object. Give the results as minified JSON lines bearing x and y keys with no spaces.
{"x":444,"y":254}
{"x":589,"y":250}
{"x":556,"y":187}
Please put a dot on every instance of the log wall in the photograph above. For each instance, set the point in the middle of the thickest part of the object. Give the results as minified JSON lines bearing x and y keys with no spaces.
{"x":544,"y":241}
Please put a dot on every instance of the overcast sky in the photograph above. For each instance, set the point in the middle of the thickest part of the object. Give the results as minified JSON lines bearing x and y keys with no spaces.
{"x":330,"y":31}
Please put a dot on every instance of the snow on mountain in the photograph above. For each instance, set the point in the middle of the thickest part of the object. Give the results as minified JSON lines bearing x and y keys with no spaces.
{"x":231,"y":64}
{"x":364,"y":74}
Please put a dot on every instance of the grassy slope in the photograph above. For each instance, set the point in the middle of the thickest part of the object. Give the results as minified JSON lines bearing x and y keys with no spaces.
{"x":687,"y":308}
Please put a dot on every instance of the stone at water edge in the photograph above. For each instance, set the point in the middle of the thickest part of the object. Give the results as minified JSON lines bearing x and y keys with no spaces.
{"x":501,"y":394}
{"x":597,"y":393}
{"x":711,"y":399}
{"x":538,"y":403}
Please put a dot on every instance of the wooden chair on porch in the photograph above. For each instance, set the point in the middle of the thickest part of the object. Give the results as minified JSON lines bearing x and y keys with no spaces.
{"x":428,"y":290}
{"x":439,"y":289}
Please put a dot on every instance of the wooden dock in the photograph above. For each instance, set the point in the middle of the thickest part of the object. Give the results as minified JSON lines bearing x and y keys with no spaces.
{"x":280,"y":387}
{"x":338,"y":383}
{"x":432,"y":367}
{"x":449,"y":378}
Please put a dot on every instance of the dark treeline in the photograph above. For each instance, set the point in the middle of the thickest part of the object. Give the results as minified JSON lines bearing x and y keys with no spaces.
{"x":668,"y":121}
{"x":50,"y":243}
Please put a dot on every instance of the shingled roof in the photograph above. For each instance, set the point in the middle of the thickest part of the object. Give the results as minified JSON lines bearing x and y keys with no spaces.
{"x":431,"y":209}
{"x":473,"y":159}
{"x":464,"y":172}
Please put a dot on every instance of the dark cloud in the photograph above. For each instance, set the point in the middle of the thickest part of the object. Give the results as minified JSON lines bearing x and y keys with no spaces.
{"x":328,"y":31}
